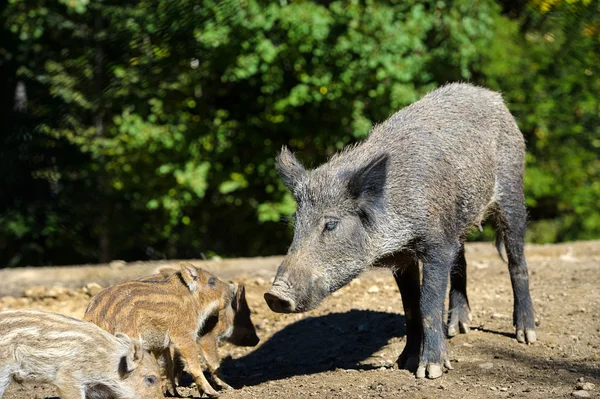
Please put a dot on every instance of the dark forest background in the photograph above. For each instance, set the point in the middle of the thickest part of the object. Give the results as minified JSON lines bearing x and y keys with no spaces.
{"x":147,"y":129}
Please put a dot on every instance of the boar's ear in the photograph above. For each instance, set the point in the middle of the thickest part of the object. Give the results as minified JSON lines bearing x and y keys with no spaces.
{"x":190,"y":275}
{"x":367,"y":184}
{"x":289,"y":168}
{"x":135,"y":353}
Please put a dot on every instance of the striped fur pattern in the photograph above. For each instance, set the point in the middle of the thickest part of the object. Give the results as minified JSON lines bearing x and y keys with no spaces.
{"x":232,"y":323}
{"x":165,"y":312}
{"x":82,"y":360}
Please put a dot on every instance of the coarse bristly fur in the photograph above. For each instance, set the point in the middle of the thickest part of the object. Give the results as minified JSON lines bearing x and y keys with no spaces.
{"x":81,"y":359}
{"x":166,"y":311}
{"x":410,"y":192}
{"x":232,"y":324}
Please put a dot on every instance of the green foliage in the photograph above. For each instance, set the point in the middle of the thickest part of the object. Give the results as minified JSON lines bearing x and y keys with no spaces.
{"x":154,"y":123}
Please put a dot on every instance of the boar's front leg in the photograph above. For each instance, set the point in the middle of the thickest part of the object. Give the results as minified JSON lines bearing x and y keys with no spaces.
{"x":438,"y":260}
{"x":459,"y":312}
{"x":190,"y":353}
{"x":408,"y":278}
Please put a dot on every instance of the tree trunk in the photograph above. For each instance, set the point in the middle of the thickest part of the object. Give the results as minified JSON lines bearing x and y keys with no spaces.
{"x":104,"y":243}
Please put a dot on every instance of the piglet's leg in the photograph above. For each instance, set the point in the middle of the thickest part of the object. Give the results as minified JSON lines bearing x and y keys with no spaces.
{"x":190,"y":353}
{"x":69,"y":390}
{"x":171,"y":387}
{"x":208,"y":346}
{"x":4,"y":380}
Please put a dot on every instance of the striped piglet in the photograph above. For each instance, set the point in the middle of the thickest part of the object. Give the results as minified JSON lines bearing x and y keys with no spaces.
{"x":165,"y":312}
{"x":80,"y":359}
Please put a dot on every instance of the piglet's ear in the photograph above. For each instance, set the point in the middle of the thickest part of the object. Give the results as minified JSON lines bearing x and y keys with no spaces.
{"x":367,"y":184}
{"x":133,"y":357}
{"x":240,"y":296}
{"x":289,"y":168}
{"x":167,"y":271}
{"x":190,"y":275}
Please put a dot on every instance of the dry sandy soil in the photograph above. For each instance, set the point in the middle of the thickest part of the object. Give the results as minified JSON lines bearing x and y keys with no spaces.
{"x":346,"y":348}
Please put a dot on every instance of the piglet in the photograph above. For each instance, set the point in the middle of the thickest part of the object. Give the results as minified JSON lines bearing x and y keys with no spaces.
{"x":82,"y":360}
{"x":167,"y":313}
{"x":232,"y":324}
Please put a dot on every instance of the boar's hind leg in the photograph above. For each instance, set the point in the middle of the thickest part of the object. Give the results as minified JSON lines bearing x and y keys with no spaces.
{"x":438,"y":260}
{"x":460,"y":313}
{"x":512,"y":217}
{"x":408,"y":278}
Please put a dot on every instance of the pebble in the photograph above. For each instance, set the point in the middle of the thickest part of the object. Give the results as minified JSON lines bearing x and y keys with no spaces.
{"x":117,"y":264}
{"x":36,"y":292}
{"x":93,"y":288}
{"x":8,"y":300}
{"x":585,"y":386}
{"x":581,"y":394}
{"x":259,"y":281}
{"x":373,"y":289}
{"x":486,"y":366}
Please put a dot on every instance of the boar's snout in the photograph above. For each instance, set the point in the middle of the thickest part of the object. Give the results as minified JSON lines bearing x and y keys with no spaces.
{"x":278,"y":302}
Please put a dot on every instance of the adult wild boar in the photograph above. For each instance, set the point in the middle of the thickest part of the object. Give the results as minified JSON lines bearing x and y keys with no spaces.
{"x":410,"y":192}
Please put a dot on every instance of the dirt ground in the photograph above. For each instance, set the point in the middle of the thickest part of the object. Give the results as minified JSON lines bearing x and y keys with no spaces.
{"x":346,"y":348}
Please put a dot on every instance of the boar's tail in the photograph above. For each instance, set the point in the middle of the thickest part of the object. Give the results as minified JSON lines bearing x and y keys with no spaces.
{"x":500,"y":244}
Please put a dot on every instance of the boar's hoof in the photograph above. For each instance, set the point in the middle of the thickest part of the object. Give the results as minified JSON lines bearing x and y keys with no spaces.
{"x":433,"y":370}
{"x":278,"y":304}
{"x":527,"y":336}
{"x":459,"y":321}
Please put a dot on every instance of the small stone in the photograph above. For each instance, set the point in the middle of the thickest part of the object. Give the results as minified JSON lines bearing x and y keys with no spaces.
{"x":57,"y":292}
{"x":117,"y":264}
{"x":585,"y":386}
{"x":259,"y":281}
{"x":499,"y":316}
{"x":503,"y":389}
{"x":486,"y":366}
{"x":8,"y":300}
{"x":581,"y":394}
{"x":468,"y":345}
{"x":493,"y":389}
{"x":37,"y":292}
{"x":373,"y":289}
{"x":93,"y":288}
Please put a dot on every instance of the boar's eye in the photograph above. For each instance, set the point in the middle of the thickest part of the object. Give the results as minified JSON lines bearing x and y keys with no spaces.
{"x":331,"y":225}
{"x":150,"y":380}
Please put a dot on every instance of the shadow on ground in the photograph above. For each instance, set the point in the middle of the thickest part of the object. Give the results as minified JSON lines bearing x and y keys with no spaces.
{"x":316,"y":344}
